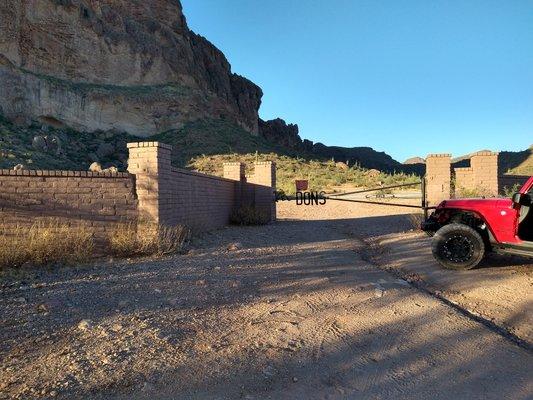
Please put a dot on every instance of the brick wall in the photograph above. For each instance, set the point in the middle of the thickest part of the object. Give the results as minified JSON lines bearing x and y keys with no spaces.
{"x":171,"y":196}
{"x":98,"y":199}
{"x":438,"y":178}
{"x":464,"y":180}
{"x":480,"y":178}
{"x":200,"y":201}
{"x":152,"y":191}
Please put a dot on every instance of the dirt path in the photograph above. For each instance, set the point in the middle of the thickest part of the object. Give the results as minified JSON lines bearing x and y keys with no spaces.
{"x":499,"y":290}
{"x":295,"y":313}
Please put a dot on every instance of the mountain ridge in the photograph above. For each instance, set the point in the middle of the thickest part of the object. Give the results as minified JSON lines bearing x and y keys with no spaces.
{"x":91,"y":71}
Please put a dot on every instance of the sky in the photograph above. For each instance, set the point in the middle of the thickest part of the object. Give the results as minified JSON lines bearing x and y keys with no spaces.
{"x":407,"y":77}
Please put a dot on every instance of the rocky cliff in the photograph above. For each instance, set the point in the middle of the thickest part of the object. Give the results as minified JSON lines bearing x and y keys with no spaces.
{"x":125,"y":65}
{"x":287,"y":135}
{"x":131,"y":67}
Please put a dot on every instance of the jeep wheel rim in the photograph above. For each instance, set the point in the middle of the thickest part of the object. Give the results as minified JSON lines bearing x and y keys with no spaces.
{"x":458,"y":249}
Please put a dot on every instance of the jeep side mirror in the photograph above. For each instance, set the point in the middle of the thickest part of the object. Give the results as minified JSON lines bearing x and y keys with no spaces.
{"x":522,"y":198}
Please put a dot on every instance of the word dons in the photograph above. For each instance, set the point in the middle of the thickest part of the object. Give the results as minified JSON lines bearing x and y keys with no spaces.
{"x":310,"y":198}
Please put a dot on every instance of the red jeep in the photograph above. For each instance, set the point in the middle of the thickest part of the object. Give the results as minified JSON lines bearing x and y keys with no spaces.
{"x":464,"y":230}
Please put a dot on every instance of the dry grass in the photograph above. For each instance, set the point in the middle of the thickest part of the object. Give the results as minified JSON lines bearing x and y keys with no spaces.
{"x":477,"y":192}
{"x":50,"y":242}
{"x":46,"y":243}
{"x":131,"y":239}
{"x":322,"y":175}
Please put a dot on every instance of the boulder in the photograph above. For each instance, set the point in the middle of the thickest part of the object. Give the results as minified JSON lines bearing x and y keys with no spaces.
{"x":95,"y":167}
{"x":341,"y":165}
{"x":53,"y":144}
{"x":373,"y":173}
{"x":111,"y":169}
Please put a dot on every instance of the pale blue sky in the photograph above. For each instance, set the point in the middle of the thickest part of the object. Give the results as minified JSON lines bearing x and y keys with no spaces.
{"x":406,"y":77}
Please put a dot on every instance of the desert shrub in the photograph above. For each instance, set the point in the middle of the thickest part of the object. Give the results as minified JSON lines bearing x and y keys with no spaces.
{"x":132,"y":239}
{"x":249,"y":216}
{"x":322,"y":175}
{"x":509,"y":191}
{"x":475,"y":192}
{"x":46,"y":243}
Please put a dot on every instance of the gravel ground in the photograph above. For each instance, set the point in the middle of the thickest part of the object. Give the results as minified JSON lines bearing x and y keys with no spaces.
{"x":290,"y":310}
{"x":498,"y":290}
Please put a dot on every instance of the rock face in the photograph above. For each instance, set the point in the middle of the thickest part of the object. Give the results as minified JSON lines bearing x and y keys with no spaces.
{"x":287,"y":135}
{"x":127,"y":65}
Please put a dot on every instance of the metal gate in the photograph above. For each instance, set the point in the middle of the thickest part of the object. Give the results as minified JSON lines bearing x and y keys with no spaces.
{"x":381,"y":190}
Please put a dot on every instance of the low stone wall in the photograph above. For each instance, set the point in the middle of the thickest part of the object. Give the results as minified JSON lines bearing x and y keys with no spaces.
{"x":152,"y":191}
{"x":171,"y":196}
{"x":97,"y":199}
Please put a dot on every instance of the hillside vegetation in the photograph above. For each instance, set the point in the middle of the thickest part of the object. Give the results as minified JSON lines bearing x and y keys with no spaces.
{"x":517,"y":162}
{"x":322,"y":175}
{"x":205,"y":145}
{"x":77,"y":150}
{"x":71,"y":149}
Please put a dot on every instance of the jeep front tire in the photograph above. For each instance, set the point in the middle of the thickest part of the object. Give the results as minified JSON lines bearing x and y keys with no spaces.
{"x":458,"y":246}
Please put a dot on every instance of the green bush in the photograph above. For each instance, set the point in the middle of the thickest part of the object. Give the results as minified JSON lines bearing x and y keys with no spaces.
{"x":249,"y":216}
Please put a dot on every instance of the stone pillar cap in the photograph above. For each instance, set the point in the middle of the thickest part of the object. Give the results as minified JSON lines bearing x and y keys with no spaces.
{"x":149,"y":144}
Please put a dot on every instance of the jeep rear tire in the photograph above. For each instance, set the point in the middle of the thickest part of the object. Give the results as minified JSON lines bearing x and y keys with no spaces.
{"x":458,"y":246}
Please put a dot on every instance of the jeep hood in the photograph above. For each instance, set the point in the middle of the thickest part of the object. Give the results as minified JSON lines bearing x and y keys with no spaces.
{"x":475,"y":203}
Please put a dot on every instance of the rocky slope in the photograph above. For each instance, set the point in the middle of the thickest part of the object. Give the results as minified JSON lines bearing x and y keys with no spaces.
{"x":118,"y":68}
{"x":127,"y":65}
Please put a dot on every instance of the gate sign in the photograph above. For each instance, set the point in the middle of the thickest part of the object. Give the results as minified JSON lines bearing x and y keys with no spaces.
{"x":301,"y":185}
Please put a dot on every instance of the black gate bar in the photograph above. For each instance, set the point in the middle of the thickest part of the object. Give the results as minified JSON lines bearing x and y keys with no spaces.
{"x":363,"y":201}
{"x":334,"y":197}
{"x":377,"y":189}
{"x":376,"y":202}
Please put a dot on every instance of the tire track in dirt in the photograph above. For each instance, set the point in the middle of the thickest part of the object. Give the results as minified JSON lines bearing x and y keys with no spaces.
{"x":373,"y":253}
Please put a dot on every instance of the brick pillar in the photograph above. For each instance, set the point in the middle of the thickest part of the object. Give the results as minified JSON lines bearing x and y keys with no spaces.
{"x":438,"y":178}
{"x":234,"y":171}
{"x":265,"y":175}
{"x":484,"y":165}
{"x":150,"y":163}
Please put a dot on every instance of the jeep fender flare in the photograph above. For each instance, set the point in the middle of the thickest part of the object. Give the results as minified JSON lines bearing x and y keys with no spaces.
{"x":485,"y":232}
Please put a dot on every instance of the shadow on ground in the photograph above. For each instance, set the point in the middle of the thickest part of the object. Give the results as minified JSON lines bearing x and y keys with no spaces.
{"x":295,"y":313}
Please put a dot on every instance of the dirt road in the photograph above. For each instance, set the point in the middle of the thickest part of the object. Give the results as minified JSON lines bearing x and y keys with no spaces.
{"x":499,"y":290}
{"x":294,"y":313}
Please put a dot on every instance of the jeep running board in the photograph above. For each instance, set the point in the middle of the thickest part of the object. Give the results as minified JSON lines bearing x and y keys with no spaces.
{"x":524,"y":249}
